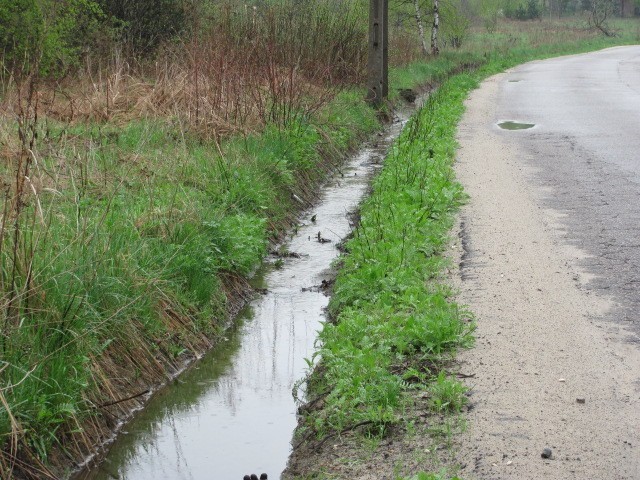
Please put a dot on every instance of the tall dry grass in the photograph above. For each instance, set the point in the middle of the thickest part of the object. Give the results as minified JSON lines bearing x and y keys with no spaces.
{"x":241,"y":69}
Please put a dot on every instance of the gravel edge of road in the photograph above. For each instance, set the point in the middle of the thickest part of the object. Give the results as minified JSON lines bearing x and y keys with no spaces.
{"x":548,"y":372}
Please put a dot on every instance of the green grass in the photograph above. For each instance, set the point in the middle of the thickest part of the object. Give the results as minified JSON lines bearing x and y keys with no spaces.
{"x":432,"y":72}
{"x":431,"y":476}
{"x":392,"y":313}
{"x":142,"y":227}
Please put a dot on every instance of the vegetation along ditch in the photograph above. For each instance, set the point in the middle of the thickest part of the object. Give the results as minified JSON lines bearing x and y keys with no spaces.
{"x":384,"y":400}
{"x":243,"y":388}
{"x":150,"y":166}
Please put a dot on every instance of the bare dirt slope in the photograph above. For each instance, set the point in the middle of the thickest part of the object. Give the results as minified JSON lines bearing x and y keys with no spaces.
{"x":544,"y":338}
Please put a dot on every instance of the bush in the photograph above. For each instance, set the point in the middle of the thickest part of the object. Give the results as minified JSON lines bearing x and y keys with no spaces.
{"x":145,"y":24}
{"x":46,"y":34}
{"x":455,"y":25}
{"x":524,"y":11}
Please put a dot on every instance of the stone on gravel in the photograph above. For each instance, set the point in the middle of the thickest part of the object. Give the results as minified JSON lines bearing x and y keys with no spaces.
{"x":546,"y":453}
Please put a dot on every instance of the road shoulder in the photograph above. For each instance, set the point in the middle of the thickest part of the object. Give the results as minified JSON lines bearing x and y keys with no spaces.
{"x":542,"y":347}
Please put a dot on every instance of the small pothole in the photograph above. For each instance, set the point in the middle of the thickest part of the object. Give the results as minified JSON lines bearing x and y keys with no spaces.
{"x":510,"y":125}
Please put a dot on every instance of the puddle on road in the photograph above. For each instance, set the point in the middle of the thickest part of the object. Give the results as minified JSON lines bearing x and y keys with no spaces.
{"x":515,"y":81}
{"x":510,"y":125}
{"x":232,"y":413}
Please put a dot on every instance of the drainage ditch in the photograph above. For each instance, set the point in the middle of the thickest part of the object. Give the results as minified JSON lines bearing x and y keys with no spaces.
{"x":233,"y":413}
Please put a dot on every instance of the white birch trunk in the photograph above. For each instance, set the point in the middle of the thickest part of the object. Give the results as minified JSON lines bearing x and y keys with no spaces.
{"x":423,"y":39}
{"x":434,"y":30}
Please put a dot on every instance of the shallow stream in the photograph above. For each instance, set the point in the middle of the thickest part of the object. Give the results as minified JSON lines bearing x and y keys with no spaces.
{"x":233,"y":413}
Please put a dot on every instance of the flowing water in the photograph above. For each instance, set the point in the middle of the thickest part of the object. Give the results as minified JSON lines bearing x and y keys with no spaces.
{"x":233,"y":413}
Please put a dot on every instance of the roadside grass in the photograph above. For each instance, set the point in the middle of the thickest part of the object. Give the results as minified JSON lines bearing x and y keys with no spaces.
{"x":430,"y":476}
{"x":394,"y":323}
{"x":512,"y":41}
{"x":394,"y":320}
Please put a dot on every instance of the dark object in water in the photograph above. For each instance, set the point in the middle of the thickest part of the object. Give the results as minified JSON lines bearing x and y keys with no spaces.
{"x":246,"y":477}
{"x":254,"y":476}
{"x":321,"y":239}
{"x":263,"y":476}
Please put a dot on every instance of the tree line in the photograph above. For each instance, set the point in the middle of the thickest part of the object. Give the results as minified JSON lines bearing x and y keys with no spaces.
{"x":58,"y":35}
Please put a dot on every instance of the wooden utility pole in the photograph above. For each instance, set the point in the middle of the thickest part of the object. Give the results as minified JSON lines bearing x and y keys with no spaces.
{"x":378,"y":83}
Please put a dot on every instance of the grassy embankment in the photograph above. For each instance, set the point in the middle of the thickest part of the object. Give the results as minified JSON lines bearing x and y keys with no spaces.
{"x":143,"y":201}
{"x":395,"y":323}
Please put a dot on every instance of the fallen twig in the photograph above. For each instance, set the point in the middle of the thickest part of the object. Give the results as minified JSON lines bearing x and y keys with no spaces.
{"x":109,"y":404}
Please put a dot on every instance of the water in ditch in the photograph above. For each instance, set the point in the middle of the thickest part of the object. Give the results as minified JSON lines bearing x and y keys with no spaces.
{"x":233,"y":413}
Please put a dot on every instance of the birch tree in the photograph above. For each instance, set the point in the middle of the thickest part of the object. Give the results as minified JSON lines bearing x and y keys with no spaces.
{"x":423,"y":40}
{"x":434,"y":29}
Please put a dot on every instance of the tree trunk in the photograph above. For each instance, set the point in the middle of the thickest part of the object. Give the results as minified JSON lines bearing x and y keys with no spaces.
{"x":627,"y":8}
{"x":423,"y":40}
{"x":434,"y":30}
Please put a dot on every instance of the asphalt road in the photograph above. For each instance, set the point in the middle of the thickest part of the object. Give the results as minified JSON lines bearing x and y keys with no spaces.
{"x":551,"y":270}
{"x":586,"y":144}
